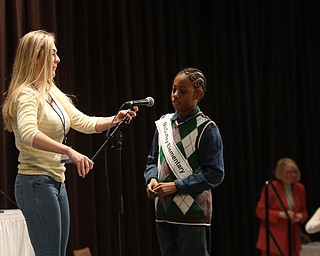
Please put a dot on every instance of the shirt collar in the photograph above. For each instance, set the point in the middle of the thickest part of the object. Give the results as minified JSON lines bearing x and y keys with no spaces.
{"x":186,"y":118}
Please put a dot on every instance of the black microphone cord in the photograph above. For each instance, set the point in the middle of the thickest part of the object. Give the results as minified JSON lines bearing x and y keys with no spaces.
{"x":1,"y":192}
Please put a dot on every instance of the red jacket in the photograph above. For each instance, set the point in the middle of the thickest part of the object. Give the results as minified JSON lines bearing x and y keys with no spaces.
{"x":279,"y":226}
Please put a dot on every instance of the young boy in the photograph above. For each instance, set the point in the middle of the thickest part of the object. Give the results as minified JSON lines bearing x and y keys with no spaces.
{"x":185,"y":162}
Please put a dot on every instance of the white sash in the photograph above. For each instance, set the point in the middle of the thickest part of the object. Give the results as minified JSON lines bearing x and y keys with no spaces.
{"x":175,"y":159}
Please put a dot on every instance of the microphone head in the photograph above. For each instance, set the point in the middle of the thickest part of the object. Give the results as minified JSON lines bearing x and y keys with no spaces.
{"x":150,"y":101}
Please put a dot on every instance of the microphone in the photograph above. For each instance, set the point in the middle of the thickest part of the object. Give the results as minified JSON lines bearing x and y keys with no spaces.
{"x":148,"y":102}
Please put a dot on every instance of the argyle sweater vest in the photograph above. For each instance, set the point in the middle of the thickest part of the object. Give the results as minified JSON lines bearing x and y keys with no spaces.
{"x":193,"y":209}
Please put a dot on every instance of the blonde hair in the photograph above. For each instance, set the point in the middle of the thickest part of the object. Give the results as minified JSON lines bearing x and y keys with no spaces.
{"x":280,"y":167}
{"x":24,"y":73}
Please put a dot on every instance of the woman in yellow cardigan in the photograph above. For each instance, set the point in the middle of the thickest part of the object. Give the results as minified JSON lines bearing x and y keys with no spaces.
{"x":40,"y":116}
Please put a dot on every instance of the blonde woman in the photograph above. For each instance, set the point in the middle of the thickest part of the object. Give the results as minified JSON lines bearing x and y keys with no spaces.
{"x":293,"y":196}
{"x":40,"y":116}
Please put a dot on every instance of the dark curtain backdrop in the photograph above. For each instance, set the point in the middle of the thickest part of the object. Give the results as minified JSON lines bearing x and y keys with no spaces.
{"x":261,"y":60}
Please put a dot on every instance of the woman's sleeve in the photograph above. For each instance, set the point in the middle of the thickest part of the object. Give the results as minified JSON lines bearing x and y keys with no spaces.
{"x":78,"y":120}
{"x":27,"y":117}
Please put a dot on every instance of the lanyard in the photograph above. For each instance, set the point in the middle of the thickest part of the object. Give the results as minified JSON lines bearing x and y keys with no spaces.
{"x":61,"y":117}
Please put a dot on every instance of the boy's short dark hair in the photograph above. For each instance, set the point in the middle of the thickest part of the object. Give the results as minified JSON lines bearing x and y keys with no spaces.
{"x":196,"y":76}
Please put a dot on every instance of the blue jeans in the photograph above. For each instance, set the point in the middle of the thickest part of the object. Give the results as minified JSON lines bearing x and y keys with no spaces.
{"x":183,"y":240}
{"x":45,"y":206}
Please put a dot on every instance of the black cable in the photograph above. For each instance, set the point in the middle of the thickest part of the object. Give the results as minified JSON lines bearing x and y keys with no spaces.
{"x":12,"y":201}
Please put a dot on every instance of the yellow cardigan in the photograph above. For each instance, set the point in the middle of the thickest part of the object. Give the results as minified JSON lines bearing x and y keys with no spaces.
{"x":28,"y":124}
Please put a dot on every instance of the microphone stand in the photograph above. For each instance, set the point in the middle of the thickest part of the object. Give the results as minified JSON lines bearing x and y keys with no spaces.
{"x":117,"y":135}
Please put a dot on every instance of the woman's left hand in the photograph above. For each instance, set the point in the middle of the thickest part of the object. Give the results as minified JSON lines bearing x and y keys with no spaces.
{"x":84,"y":164}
